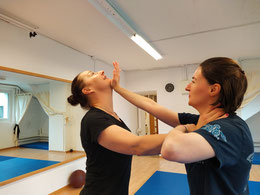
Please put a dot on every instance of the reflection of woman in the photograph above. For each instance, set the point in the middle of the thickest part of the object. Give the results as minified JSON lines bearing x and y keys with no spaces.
{"x":218,"y":150}
{"x":105,"y":138}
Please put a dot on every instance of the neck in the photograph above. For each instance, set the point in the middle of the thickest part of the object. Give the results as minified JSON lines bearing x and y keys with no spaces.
{"x":103,"y":101}
{"x":202,"y":109}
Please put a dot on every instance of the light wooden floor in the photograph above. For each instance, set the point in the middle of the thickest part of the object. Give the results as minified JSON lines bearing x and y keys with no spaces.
{"x":40,"y":154}
{"x":144,"y":167}
{"x":63,"y":157}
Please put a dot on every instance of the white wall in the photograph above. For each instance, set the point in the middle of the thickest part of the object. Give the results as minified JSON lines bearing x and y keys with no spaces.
{"x":6,"y":126}
{"x":6,"y":138}
{"x":57,"y":132}
{"x":251,"y":112}
{"x":254,"y":124}
{"x":39,"y":54}
{"x":155,"y":80}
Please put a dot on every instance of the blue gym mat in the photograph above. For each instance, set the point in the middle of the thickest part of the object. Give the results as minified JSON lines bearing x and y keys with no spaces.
{"x":256,"y":159}
{"x":165,"y":183}
{"x":12,"y":167}
{"x":37,"y":145}
{"x":176,"y":184}
{"x":2,"y":158}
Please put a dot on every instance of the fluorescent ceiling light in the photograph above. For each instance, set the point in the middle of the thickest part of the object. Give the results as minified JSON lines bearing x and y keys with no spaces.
{"x":146,"y":46}
{"x":113,"y":14}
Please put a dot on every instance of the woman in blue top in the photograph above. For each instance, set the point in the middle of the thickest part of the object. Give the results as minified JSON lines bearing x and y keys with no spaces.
{"x":216,"y":146}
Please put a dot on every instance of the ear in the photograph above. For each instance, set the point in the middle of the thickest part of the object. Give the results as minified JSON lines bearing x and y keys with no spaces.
{"x":87,"y":91}
{"x":215,"y":89}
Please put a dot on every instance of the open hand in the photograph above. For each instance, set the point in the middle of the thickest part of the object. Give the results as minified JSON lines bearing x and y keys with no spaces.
{"x":116,"y":76}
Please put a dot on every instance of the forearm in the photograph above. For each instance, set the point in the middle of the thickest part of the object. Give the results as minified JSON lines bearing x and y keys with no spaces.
{"x":186,"y":147}
{"x":149,"y":144}
{"x":135,"y":99}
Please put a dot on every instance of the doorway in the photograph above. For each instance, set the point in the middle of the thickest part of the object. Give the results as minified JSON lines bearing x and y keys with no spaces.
{"x":148,"y":124}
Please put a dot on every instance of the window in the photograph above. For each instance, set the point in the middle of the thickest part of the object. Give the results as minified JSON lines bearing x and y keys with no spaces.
{"x":4,"y":105}
{"x":7,"y":103}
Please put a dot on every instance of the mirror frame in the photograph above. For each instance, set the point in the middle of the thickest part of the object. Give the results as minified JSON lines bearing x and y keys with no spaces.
{"x":33,"y":74}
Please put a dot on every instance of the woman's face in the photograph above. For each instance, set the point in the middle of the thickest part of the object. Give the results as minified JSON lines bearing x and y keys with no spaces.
{"x":199,"y":90}
{"x":95,"y":80}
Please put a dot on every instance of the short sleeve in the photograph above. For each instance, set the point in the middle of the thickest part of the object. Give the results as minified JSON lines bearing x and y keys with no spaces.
{"x":187,"y":118}
{"x":95,"y":125}
{"x":225,"y":139}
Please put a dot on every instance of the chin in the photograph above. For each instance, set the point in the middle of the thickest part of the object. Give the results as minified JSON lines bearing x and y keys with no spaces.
{"x":189,"y":103}
{"x":192,"y":105}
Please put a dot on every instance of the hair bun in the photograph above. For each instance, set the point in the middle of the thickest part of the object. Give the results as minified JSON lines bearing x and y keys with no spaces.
{"x":72,"y":100}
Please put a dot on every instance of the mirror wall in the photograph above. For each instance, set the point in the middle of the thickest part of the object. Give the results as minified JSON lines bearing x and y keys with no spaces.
{"x":37,"y":103}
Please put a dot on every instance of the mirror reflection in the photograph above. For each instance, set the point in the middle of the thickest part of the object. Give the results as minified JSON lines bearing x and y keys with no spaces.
{"x":33,"y":110}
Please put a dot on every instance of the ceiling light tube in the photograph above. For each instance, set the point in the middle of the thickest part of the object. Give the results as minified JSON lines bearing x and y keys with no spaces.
{"x":104,"y":6}
{"x":146,"y":46}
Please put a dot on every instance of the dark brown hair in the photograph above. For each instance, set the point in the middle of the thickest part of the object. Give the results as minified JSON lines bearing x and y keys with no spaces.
{"x":77,"y":96}
{"x":232,"y":79}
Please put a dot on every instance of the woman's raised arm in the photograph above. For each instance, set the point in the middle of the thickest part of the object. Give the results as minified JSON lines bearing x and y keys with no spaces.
{"x":167,"y":116}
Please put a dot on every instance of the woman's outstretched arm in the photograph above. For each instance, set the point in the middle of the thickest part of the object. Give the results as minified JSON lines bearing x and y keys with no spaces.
{"x":167,"y":116}
{"x":119,"y":140}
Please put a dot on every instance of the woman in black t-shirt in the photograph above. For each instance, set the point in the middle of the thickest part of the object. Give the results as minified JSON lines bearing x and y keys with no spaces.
{"x":106,"y":139}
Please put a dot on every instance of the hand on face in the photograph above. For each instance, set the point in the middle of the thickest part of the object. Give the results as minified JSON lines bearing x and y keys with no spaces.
{"x":115,"y":82}
{"x":213,"y":113}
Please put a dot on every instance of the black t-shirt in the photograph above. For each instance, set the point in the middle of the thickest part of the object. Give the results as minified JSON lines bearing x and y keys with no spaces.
{"x":107,"y":172}
{"x":228,"y":172}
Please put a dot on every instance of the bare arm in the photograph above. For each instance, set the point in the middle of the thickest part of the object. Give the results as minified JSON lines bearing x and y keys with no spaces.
{"x":186,"y":147}
{"x":169,"y":117}
{"x":119,"y":140}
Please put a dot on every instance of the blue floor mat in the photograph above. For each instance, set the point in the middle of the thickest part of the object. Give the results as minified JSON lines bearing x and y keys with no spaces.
{"x":165,"y":183}
{"x":2,"y":158}
{"x":256,"y":159}
{"x":12,"y":167}
{"x":37,"y":145}
{"x":176,"y":184}
{"x":254,"y":187}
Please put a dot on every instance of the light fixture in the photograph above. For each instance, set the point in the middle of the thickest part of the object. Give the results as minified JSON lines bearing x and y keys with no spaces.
{"x":18,"y":22}
{"x":146,"y":46}
{"x":110,"y":11}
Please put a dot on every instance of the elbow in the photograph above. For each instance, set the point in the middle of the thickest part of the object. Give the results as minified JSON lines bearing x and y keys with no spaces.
{"x":135,"y":148}
{"x":138,"y":148}
{"x":139,"y":153}
{"x":169,"y":151}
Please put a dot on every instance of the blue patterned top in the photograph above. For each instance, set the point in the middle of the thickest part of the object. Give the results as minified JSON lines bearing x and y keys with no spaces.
{"x":228,"y":171}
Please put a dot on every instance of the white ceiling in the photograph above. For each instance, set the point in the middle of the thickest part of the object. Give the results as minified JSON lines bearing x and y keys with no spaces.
{"x":183,"y":31}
